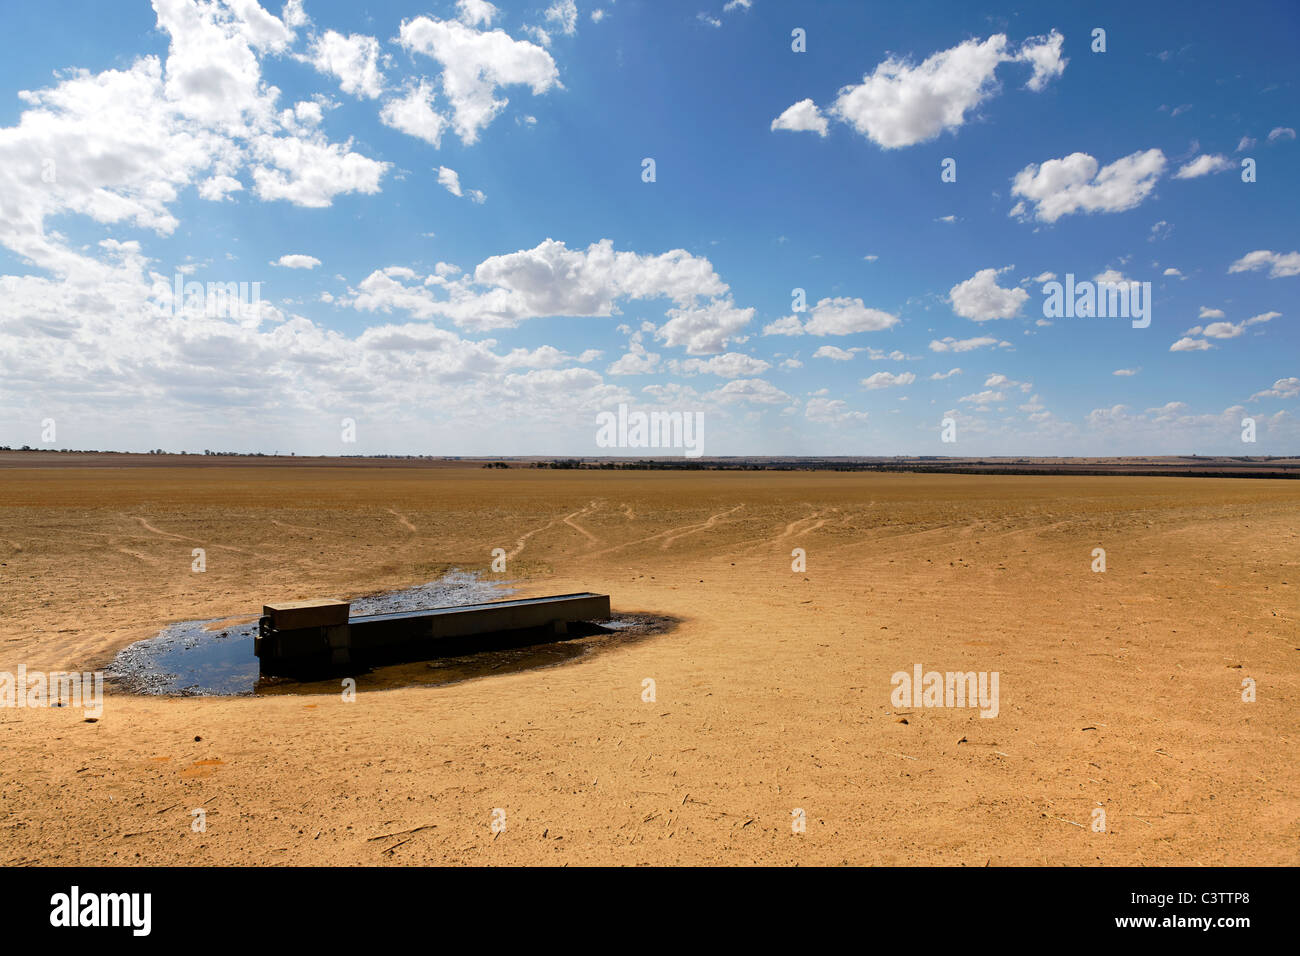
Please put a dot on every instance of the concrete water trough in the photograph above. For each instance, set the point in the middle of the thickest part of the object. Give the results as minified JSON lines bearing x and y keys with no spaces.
{"x":310,"y":635}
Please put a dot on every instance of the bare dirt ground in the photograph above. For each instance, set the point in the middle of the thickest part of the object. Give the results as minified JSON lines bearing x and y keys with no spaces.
{"x":1120,"y":690}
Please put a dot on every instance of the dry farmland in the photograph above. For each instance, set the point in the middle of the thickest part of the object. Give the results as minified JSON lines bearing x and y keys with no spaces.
{"x":1120,"y":690}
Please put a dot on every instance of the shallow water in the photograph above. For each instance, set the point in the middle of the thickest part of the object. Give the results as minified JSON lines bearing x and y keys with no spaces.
{"x":208,"y":658}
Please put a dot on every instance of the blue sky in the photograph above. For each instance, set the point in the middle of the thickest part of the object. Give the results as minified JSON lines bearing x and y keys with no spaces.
{"x":444,"y":207}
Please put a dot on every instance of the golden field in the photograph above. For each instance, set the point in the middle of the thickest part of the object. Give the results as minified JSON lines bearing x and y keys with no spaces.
{"x":1120,"y":690}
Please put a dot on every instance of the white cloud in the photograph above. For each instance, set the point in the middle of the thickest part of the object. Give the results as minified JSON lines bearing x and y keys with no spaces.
{"x":950,"y":344}
{"x":981,"y":299}
{"x":984,"y":398}
{"x":474,"y":65}
{"x":1278,"y":264}
{"x":900,"y":104}
{"x":888,"y":380}
{"x":831,"y":411}
{"x":476,"y":13}
{"x":449,"y":179}
{"x":837,"y":316}
{"x":353,"y":59}
{"x":1060,"y":187}
{"x":939,"y":376}
{"x":311,"y":172}
{"x":1203,"y":165}
{"x":728,"y":365}
{"x":564,"y":13}
{"x":704,"y":329}
{"x":749,"y":390}
{"x":637,"y":361}
{"x":802,"y":116}
{"x":1208,"y":313}
{"x":217,"y":188}
{"x":414,"y":114}
{"x":1224,"y":330}
{"x":553,"y":280}
{"x":1043,"y":53}
{"x":1189,"y":345}
{"x":1282,"y":388}
{"x":834,"y":352}
{"x":1125,"y":372}
{"x":1263,"y":317}
{"x":1280,"y":133}
{"x":296,"y":261}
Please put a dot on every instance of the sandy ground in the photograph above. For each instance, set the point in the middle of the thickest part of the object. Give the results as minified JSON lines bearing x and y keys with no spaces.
{"x":1120,"y":690}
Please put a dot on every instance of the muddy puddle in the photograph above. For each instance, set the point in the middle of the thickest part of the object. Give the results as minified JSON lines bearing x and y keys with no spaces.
{"x":215,"y":657}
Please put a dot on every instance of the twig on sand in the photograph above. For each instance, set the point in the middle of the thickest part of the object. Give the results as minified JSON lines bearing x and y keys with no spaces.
{"x":384,"y":836}
{"x":1071,"y":823}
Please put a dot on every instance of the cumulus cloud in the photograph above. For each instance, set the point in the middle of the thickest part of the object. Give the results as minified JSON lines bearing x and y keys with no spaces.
{"x":888,"y":380}
{"x":1075,"y":183}
{"x":900,"y":104}
{"x":834,"y":316}
{"x":950,"y":344}
{"x":296,"y":261}
{"x":753,"y":391}
{"x":1224,"y":330}
{"x":414,"y":114}
{"x":218,"y":188}
{"x":564,"y":14}
{"x":474,"y":65}
{"x":1279,"y":265}
{"x":354,"y":59}
{"x":449,"y":179}
{"x":834,"y":352}
{"x":476,"y":13}
{"x":1043,"y":53}
{"x":636,"y":361}
{"x":311,"y":171}
{"x":130,"y":140}
{"x":802,"y":116}
{"x":1203,"y":165}
{"x":1282,"y":388}
{"x":831,"y":411}
{"x":981,"y":299}
{"x":983,"y":399}
{"x":939,"y":376}
{"x":553,"y":280}
{"x":727,"y":365}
